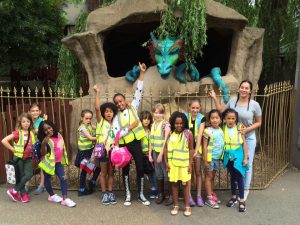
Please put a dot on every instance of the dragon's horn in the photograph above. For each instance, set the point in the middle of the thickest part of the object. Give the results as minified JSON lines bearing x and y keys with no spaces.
{"x":153,"y":37}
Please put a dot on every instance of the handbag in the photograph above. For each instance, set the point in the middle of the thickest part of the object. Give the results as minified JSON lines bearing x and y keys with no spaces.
{"x":12,"y":172}
{"x":120,"y":156}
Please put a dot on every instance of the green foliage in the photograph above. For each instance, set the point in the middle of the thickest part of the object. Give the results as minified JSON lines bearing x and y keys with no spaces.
{"x":280,"y":19}
{"x":30,"y":34}
{"x":186,"y":18}
{"x":104,"y":3}
{"x":246,"y":8}
{"x":288,"y":41}
{"x":68,"y":65}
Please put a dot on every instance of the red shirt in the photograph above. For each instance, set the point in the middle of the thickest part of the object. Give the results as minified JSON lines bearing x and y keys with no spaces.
{"x":27,"y":152}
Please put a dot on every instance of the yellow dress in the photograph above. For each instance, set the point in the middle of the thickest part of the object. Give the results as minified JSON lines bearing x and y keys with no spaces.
{"x":178,"y":158}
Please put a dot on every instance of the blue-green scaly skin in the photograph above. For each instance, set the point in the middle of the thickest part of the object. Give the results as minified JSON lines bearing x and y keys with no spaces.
{"x":166,"y":54}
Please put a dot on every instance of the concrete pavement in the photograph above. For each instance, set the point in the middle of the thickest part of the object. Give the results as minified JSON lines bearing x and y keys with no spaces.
{"x":279,"y":204}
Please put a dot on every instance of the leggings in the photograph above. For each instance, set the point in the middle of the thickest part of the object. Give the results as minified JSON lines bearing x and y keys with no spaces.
{"x":26,"y":172}
{"x":135,"y":149}
{"x":236,"y":177}
{"x":59,"y":171}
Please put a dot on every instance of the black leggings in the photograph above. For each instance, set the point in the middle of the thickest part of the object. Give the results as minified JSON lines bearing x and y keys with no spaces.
{"x":135,"y":149}
{"x":236,"y":180}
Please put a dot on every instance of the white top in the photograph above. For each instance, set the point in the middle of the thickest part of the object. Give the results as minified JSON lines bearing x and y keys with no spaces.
{"x":134,"y":105}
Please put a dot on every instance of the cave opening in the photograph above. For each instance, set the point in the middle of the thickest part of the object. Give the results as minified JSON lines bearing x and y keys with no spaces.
{"x":123,"y":48}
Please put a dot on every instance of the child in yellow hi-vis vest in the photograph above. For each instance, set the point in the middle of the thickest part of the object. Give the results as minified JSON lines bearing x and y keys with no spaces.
{"x":105,"y":114}
{"x":160,"y":131}
{"x":55,"y":157}
{"x":179,"y":160}
{"x":23,"y":138}
{"x":147,"y":120}
{"x":213,"y":145}
{"x":235,"y":157}
{"x":86,"y":139}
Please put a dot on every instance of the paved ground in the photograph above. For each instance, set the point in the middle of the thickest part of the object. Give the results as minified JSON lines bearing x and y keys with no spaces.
{"x":279,"y":204}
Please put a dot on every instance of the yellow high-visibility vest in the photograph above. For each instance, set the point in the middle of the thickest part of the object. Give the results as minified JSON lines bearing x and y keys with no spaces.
{"x":83,"y":142}
{"x":157,"y":136}
{"x":19,"y":146}
{"x":235,"y":141}
{"x":136,"y":133}
{"x":178,"y":150}
{"x":48,"y":163}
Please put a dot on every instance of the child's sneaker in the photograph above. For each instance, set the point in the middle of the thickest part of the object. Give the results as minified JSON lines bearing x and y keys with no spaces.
{"x":24,"y":198}
{"x":192,"y":202}
{"x":55,"y":198}
{"x":200,"y":202}
{"x":143,"y":200}
{"x":153,"y":194}
{"x":39,"y":190}
{"x":211,"y":203}
{"x":215,"y":198}
{"x":112,"y":198}
{"x":13,"y":194}
{"x":105,"y":199}
{"x":68,"y":202}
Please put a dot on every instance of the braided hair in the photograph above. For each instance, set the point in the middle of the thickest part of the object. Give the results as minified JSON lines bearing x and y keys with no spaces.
{"x":238,"y":95}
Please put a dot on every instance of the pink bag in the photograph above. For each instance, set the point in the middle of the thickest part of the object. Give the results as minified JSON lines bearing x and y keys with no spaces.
{"x":120,"y":156}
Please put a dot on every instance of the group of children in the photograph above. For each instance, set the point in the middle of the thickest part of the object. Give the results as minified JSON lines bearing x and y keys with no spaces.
{"x":30,"y":128}
{"x":176,"y":147}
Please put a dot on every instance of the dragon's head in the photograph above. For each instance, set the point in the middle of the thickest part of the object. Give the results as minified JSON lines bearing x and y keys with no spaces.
{"x":165,"y":53}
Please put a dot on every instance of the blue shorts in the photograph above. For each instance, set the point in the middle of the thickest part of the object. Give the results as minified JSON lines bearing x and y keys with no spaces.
{"x":214,"y":165}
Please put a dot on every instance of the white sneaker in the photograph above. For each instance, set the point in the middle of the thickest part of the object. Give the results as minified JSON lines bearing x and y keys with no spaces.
{"x":68,"y":202}
{"x":55,"y":198}
{"x":246,"y":193}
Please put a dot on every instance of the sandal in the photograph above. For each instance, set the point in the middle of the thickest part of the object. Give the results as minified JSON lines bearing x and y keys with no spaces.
{"x":187,"y":211}
{"x":175,"y":210}
{"x":232,"y":202}
{"x":242,"y":207}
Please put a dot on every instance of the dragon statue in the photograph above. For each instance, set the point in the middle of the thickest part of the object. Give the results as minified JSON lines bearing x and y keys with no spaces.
{"x":166,"y":54}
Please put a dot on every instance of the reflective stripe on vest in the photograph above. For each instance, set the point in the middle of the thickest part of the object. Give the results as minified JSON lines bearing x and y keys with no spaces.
{"x":157,"y":137}
{"x":210,"y":145}
{"x":136,"y":133}
{"x":83,"y":142}
{"x":48,"y":163}
{"x":235,"y":141}
{"x":178,"y":151}
{"x":19,"y":146}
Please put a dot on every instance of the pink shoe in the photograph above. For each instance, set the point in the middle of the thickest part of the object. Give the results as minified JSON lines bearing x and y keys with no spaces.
{"x":215,"y":198}
{"x":13,"y":194}
{"x":24,"y":198}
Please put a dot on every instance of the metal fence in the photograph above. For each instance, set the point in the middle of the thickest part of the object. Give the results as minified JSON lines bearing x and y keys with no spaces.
{"x":273,"y":138}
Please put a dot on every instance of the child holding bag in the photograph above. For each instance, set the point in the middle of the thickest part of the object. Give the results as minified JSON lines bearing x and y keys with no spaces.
{"x":23,"y":137}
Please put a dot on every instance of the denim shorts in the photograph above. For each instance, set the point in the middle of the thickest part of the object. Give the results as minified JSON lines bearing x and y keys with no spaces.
{"x":214,"y":165}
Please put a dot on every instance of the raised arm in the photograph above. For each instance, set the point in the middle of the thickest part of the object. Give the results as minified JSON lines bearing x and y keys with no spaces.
{"x":138,"y":93}
{"x":219,"y":106}
{"x":97,"y":103}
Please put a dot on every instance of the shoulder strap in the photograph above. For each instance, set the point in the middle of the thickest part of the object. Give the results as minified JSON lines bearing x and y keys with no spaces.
{"x":27,"y":140}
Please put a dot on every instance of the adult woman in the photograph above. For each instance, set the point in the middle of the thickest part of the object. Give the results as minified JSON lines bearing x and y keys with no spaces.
{"x":131,"y":133}
{"x":249,"y":113}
